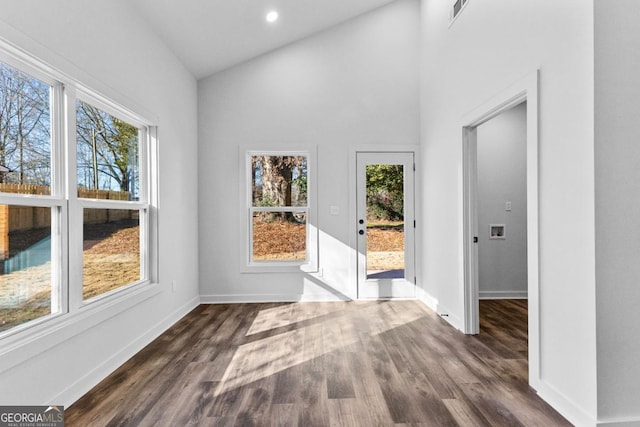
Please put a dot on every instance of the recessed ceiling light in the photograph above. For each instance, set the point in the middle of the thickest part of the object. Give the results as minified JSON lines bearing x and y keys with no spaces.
{"x":271,"y":17}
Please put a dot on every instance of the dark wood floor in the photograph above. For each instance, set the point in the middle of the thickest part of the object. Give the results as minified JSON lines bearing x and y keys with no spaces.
{"x":386,"y":363}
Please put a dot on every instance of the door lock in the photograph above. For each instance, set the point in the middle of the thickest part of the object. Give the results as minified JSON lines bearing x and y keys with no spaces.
{"x":361,"y":232}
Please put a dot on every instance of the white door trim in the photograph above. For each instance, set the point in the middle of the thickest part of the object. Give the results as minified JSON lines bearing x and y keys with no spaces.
{"x":353,"y":210}
{"x":387,"y":287}
{"x":523,"y":90}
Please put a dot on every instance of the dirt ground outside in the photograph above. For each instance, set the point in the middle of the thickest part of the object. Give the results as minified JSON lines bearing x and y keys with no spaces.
{"x":385,"y":246}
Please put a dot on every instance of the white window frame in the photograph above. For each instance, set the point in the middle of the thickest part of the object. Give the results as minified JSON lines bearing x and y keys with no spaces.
{"x":79,"y":204}
{"x":247,"y":264}
{"x":55,"y":200}
{"x":75,"y":315}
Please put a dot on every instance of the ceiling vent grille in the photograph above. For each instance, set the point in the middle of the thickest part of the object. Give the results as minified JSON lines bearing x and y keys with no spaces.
{"x":456,"y":10}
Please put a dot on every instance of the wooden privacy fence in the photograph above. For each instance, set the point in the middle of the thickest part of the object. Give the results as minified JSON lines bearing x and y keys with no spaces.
{"x":23,"y":218}
{"x":100,"y":216}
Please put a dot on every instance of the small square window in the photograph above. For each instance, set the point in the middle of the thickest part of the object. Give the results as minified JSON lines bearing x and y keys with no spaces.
{"x":279,"y":187}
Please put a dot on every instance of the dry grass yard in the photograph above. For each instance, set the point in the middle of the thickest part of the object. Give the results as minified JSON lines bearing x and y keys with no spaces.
{"x":110,"y":260}
{"x":385,"y":246}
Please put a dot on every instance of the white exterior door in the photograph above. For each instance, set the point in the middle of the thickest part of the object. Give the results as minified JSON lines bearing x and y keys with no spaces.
{"x":386,"y":225}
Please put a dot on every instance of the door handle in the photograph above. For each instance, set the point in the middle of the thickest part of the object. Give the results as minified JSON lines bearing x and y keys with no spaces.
{"x":361,"y":221}
{"x":361,"y":232}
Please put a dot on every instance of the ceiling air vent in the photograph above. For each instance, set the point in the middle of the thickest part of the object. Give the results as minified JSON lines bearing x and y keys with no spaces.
{"x":457,"y":8}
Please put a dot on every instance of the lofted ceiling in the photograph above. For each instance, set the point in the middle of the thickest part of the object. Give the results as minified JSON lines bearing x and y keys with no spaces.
{"x":211,"y":35}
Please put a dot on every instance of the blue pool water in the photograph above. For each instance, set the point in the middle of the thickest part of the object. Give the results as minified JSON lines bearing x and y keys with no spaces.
{"x":35,"y":255}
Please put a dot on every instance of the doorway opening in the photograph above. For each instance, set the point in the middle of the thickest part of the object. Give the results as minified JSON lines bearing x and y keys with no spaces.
{"x":502,"y":230}
{"x":501,"y":207}
{"x":496,"y":227}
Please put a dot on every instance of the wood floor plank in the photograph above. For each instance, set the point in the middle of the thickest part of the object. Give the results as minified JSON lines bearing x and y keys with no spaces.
{"x":284,"y":415}
{"x":313,"y":410}
{"x":339,"y":379}
{"x":463,"y":414}
{"x":341,"y":413}
{"x":370,"y":363}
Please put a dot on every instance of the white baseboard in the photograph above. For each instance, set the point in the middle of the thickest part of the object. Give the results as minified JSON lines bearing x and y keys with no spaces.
{"x":266,"y":298}
{"x":452,"y":319}
{"x":503,"y":295}
{"x":80,"y":387}
{"x":427,"y":299}
{"x":443,"y":312}
{"x":632,"y":422}
{"x":565,"y":406}
{"x":324,"y":298}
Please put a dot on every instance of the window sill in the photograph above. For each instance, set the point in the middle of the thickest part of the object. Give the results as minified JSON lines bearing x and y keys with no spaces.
{"x":37,"y":339}
{"x":279,"y":268}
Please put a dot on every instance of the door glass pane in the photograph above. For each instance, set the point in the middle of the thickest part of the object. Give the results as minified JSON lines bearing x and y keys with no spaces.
{"x":385,"y":221}
{"x":279,"y":236}
{"x":111,"y":250}
{"x":25,"y":265}
{"x":25,"y":133}
{"x":107,"y":155}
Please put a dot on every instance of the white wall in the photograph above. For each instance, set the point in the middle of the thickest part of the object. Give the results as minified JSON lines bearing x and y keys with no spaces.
{"x":492,"y":45}
{"x":502,"y":178}
{"x":355,"y":84}
{"x":103,"y":44}
{"x":617,"y":91}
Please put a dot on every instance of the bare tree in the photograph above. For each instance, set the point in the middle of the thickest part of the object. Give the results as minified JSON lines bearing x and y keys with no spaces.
{"x":25,"y":135}
{"x":279,"y":181}
{"x":107,"y":150}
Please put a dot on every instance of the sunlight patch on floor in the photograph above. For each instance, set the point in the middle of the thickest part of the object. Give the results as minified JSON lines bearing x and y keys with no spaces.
{"x":288,"y":314}
{"x":291,"y":348}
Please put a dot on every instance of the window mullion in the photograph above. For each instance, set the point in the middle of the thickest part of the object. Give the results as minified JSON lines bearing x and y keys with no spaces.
{"x":74,"y":211}
{"x":278,"y":209}
{"x":111,"y":204}
{"x":59,"y":214}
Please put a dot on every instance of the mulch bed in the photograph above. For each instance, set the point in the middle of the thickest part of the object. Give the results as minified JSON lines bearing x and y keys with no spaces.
{"x":275,"y":240}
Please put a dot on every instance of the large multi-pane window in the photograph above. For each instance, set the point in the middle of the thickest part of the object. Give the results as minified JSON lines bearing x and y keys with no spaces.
{"x":278,"y":192}
{"x":74,"y":205}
